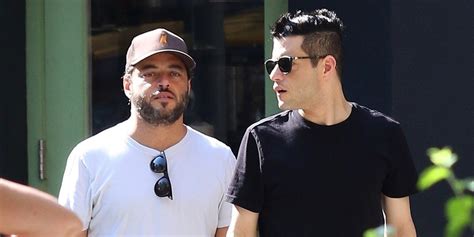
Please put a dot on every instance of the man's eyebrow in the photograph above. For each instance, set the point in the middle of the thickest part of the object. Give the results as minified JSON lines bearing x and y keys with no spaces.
{"x":148,"y":66}
{"x":176,"y":66}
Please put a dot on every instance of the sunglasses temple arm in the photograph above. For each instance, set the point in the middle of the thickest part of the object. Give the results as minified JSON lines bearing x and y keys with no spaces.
{"x":170,"y":196}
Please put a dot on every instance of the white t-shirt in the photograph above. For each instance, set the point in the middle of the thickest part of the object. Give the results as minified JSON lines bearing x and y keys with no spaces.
{"x":108,"y":183}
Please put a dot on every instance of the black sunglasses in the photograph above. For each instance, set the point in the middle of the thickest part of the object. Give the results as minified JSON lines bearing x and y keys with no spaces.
{"x":163,"y":185}
{"x":285,"y":63}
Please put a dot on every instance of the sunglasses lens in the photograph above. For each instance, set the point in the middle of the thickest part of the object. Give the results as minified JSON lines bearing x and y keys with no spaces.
{"x":269,"y":65}
{"x":163,"y":187}
{"x":284,"y":64}
{"x":158,"y":164}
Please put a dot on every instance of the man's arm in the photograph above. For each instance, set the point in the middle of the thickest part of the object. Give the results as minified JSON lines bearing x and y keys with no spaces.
{"x":30,"y":212}
{"x":243,"y":223}
{"x":398,"y":215}
{"x":221,"y":232}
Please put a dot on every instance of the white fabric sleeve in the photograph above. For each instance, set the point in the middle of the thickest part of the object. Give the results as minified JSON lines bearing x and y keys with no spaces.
{"x":225,"y":208}
{"x":75,"y":189}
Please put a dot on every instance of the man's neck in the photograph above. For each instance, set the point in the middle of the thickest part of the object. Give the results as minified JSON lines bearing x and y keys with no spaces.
{"x":328,"y":111}
{"x":159,"y":137}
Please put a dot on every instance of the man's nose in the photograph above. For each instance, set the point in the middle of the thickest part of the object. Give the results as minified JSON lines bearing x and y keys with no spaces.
{"x":276,"y":74}
{"x":163,"y":81}
{"x":163,"y":86}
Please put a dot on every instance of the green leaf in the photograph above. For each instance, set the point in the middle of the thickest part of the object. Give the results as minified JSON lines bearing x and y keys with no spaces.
{"x":432,"y":175}
{"x":442,"y":157}
{"x":469,"y":183}
{"x":458,"y":212}
{"x":370,"y":233}
{"x":375,"y":232}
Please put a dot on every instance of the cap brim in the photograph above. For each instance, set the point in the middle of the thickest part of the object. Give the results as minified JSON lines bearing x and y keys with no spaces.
{"x":188,"y":60}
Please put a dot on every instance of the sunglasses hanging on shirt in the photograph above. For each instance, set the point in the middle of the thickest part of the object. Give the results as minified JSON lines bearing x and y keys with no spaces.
{"x":163,"y":185}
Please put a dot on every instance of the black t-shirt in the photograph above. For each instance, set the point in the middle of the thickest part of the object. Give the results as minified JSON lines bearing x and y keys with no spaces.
{"x":306,"y":179}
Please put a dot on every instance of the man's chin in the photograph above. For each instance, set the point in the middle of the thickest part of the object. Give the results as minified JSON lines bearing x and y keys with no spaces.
{"x":164,"y":107}
{"x":163,"y":120}
{"x":160,"y":104}
{"x":282,"y":105}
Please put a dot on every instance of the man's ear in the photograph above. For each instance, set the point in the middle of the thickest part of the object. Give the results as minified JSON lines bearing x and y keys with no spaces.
{"x":127,"y":82}
{"x":189,"y":86}
{"x":329,"y":64}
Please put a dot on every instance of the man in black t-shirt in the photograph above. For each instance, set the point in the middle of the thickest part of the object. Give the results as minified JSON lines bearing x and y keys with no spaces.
{"x":324,"y":166}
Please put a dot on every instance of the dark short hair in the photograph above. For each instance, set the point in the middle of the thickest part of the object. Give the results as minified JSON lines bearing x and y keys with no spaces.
{"x":322,"y":31}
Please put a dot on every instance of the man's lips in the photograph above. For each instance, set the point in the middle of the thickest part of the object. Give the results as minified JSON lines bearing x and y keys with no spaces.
{"x":162,"y":95}
{"x":279,"y":89}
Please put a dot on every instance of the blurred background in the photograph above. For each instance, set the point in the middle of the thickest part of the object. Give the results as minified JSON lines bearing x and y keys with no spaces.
{"x":62,"y":62}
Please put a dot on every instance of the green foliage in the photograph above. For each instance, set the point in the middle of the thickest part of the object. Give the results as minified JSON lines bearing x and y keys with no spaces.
{"x":380,"y":232}
{"x":460,"y":208}
{"x":469,"y":184}
{"x":372,"y":233}
{"x":432,"y":175}
{"x":459,"y":214}
{"x":442,"y":157}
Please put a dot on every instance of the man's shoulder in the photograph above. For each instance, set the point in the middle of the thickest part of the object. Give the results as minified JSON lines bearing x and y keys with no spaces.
{"x":271,"y":121}
{"x":206,"y":140}
{"x":210,"y":148}
{"x":373,"y":117}
{"x":102,"y":140}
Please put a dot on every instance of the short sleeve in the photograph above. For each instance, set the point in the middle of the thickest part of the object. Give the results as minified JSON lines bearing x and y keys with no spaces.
{"x":225,"y":208}
{"x":402,"y":177}
{"x":75,"y":188}
{"x":246,"y":187}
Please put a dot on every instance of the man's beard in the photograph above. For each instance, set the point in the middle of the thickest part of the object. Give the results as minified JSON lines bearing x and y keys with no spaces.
{"x":160,"y":116}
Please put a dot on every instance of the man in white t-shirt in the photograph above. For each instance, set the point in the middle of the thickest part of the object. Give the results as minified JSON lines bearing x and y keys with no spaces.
{"x":151,"y":175}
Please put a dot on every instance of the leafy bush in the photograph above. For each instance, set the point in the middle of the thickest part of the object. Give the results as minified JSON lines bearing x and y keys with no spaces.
{"x":460,"y":208}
